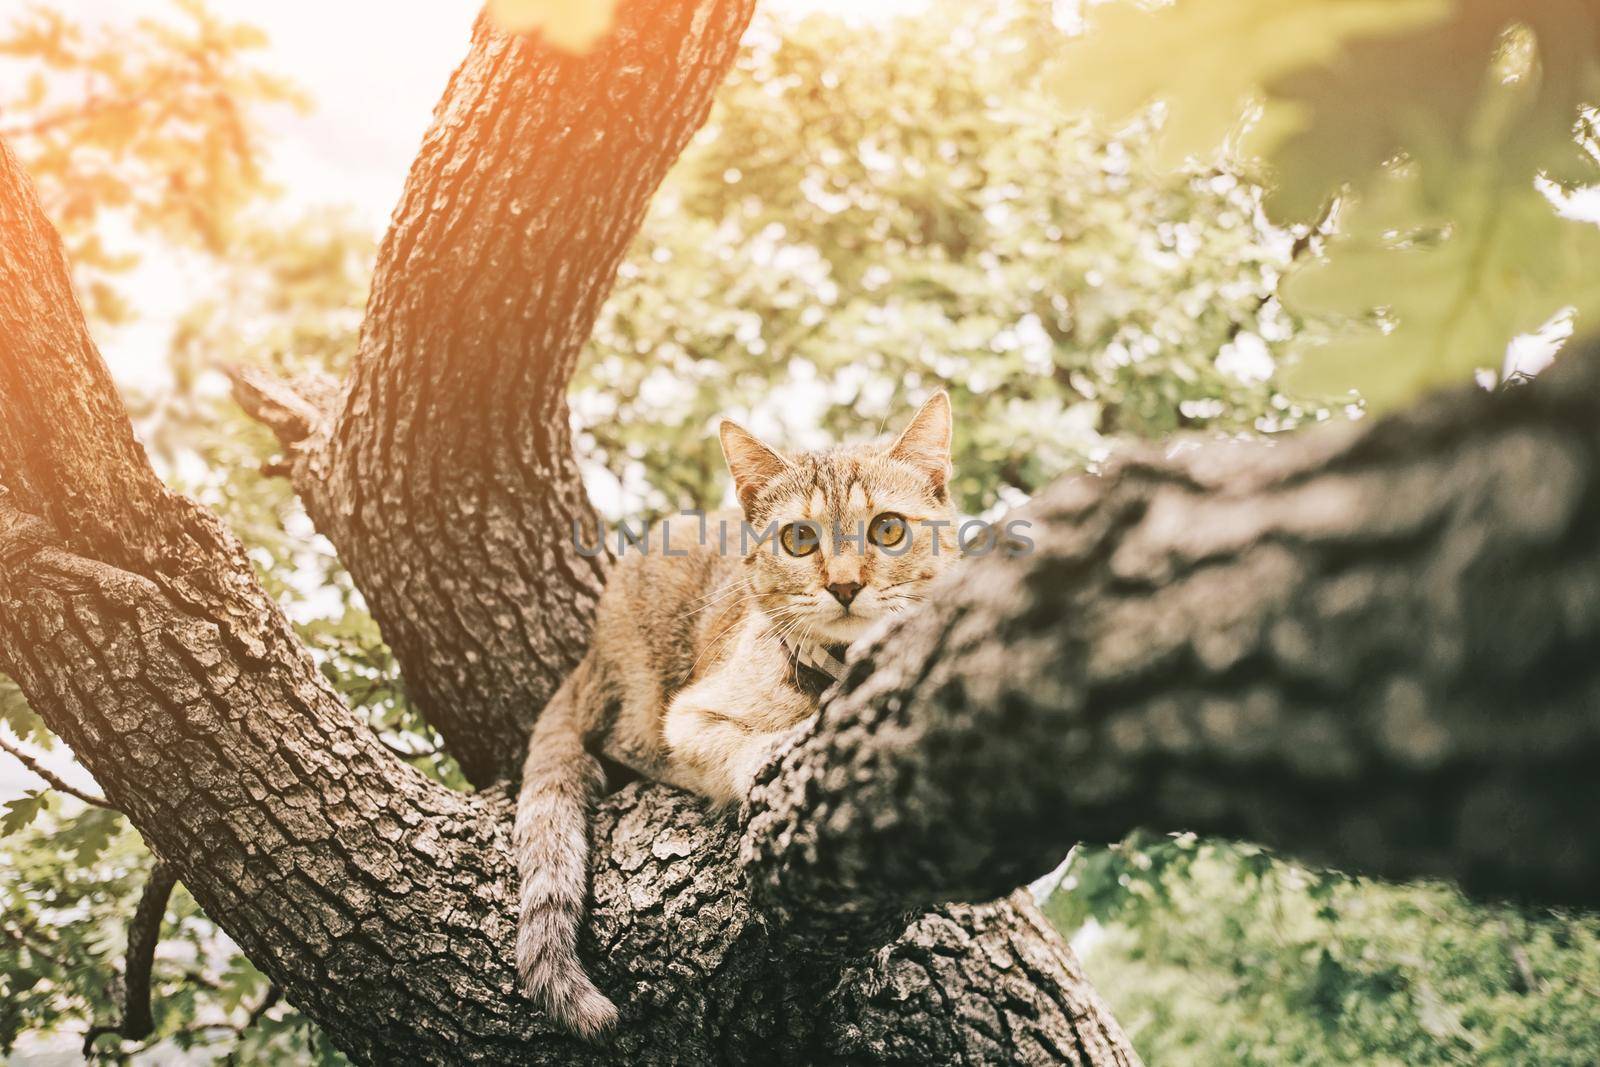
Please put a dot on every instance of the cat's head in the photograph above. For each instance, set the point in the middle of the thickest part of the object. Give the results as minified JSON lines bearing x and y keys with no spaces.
{"x":858,"y":531}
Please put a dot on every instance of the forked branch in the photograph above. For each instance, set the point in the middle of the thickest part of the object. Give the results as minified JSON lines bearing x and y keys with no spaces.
{"x":444,"y":475}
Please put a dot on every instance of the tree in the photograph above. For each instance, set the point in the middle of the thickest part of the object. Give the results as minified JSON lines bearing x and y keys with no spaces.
{"x":381,"y":902}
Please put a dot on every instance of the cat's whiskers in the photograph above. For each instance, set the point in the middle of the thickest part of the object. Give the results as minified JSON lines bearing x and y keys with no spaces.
{"x":801,"y":626}
{"x":778,"y":617}
{"x":738,"y":585}
{"x":711,"y":644}
{"x":737,"y":621}
{"x":723,"y":602}
{"x":782,"y":622}
{"x":897,"y":585}
{"x":715,"y":642}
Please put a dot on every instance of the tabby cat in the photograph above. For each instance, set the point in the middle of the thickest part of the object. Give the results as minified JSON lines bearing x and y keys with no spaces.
{"x":713,"y":644}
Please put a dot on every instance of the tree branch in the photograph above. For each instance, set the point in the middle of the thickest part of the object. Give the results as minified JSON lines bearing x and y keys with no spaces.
{"x":52,"y":780}
{"x":297,"y":410}
{"x":445,"y":476}
{"x":1370,"y":646}
{"x":133,"y":622}
{"x":144,"y":934}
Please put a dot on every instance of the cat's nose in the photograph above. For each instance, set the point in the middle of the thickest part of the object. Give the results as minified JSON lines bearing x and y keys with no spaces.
{"x":844,"y":592}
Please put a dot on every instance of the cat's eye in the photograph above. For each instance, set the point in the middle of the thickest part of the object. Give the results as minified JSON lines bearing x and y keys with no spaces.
{"x":887,"y":530}
{"x":800,"y":538}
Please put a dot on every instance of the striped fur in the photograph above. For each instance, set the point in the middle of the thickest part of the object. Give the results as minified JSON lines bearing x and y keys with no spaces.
{"x":551,"y":839}
{"x":690,"y":677}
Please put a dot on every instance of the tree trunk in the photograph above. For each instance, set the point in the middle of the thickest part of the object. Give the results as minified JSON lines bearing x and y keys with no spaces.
{"x":444,"y":474}
{"x":381,"y":903}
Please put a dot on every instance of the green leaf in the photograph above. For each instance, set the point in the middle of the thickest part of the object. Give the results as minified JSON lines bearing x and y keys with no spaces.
{"x":1207,"y":61}
{"x":1343,"y":85}
{"x":574,"y":25}
{"x":15,"y":712}
{"x":21,"y":812}
{"x":1451,"y":290}
{"x":89,"y":834}
{"x":241,"y":983}
{"x":1433,"y":120}
{"x":1495,"y":83}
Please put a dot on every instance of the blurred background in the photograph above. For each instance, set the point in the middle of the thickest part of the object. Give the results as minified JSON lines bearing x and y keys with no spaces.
{"x":1096,"y":224}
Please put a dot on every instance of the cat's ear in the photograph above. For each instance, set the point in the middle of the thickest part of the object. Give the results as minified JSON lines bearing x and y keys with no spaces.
{"x":925,"y":443}
{"x":751,"y":463}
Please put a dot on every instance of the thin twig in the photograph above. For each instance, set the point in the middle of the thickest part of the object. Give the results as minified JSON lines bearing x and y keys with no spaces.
{"x":273,"y":995}
{"x":1309,"y":241}
{"x":405,"y":753}
{"x":144,"y":933}
{"x":53,"y":781}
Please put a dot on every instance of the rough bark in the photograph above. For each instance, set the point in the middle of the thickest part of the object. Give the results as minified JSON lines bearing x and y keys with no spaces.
{"x":444,"y":474}
{"x":378,"y":901}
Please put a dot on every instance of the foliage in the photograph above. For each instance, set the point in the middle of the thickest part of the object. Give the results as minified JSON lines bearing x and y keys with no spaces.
{"x":575,"y":25}
{"x":15,"y":713}
{"x":149,"y":129}
{"x":71,"y":884}
{"x":873,"y":210}
{"x":1451,"y":128}
{"x":1218,"y":953}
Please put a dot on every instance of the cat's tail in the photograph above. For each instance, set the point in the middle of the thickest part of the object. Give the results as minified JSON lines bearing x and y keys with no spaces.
{"x":551,"y":838}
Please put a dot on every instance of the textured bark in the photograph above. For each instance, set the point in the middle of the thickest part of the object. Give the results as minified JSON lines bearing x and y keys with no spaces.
{"x":381,"y":903}
{"x":1372,"y":646}
{"x":134,"y":624}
